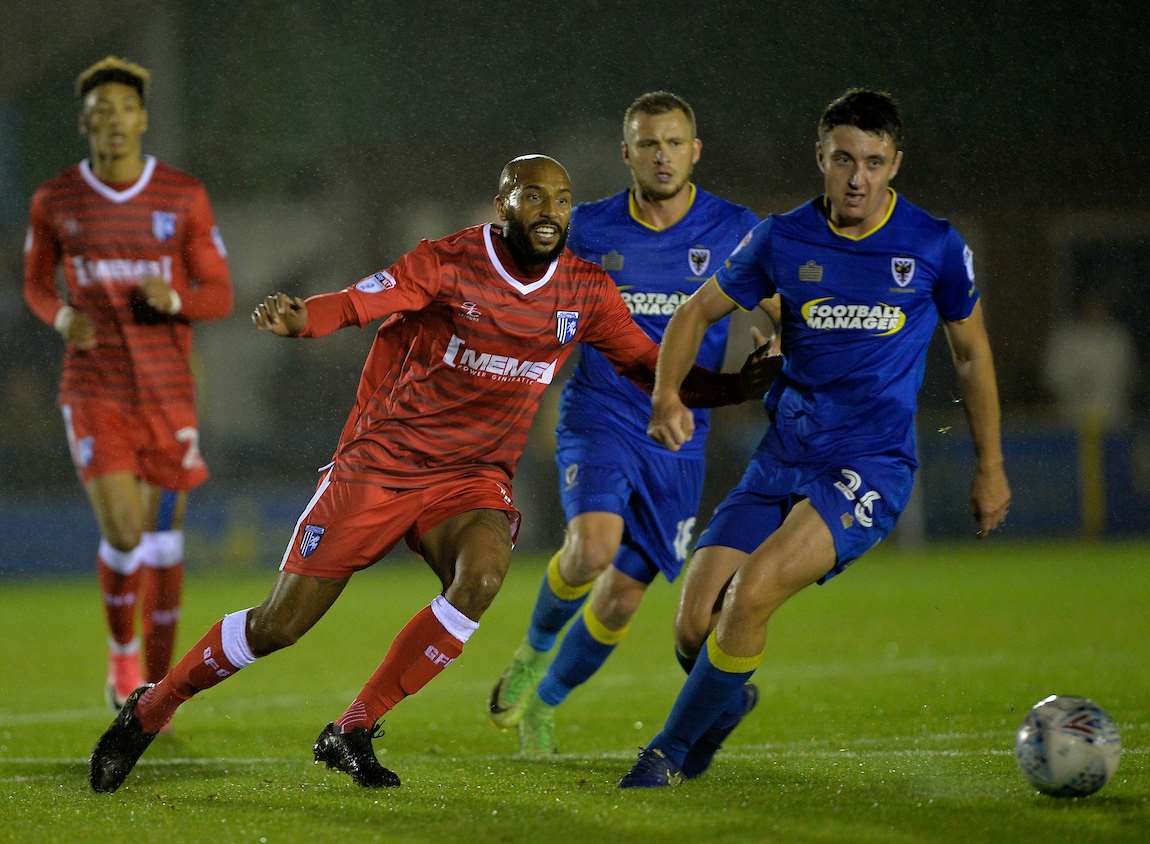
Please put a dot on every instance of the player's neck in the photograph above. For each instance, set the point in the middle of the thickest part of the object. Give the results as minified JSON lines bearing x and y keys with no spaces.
{"x":856,"y":228}
{"x":522,"y":268}
{"x":117,"y":169}
{"x":661,"y":214}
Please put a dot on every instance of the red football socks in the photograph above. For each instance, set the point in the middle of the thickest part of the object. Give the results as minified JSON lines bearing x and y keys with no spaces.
{"x":160,"y":590}
{"x":119,"y":593}
{"x":419,"y":653}
{"x":201,"y":668}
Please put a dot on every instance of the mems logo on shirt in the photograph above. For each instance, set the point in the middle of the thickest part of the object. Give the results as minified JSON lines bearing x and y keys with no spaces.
{"x":120,"y":270}
{"x":497,"y":367}
{"x":881,"y":318}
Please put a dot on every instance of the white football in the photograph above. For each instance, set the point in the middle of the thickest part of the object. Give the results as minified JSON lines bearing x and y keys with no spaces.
{"x":1067,"y":746}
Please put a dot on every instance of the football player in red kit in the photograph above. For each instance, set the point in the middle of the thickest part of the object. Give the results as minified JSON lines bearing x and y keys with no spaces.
{"x":475,"y":326}
{"x":142,"y":260}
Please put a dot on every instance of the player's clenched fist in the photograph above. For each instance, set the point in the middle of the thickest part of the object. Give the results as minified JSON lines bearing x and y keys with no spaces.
{"x":672,"y":423}
{"x":281,"y":314}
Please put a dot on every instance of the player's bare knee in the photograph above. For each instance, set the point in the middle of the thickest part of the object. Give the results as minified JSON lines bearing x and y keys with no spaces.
{"x":473,"y":591}
{"x":691,"y":631}
{"x":123,"y":534}
{"x":267,"y":634}
{"x":616,"y":607}
{"x":587,"y":556}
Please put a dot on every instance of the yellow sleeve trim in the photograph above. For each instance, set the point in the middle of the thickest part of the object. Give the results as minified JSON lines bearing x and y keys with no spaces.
{"x":719,"y":287}
{"x":599,"y":631}
{"x":731,"y":664}
{"x":563,"y":591}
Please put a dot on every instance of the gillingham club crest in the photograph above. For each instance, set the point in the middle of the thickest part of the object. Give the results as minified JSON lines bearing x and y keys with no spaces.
{"x":312,"y":534}
{"x":163,"y":225}
{"x":699,"y":257}
{"x":903,"y":270}
{"x":566,"y":324}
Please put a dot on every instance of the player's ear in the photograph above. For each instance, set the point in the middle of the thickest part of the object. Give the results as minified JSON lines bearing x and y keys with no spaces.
{"x":819,"y":156}
{"x":625,"y":153}
{"x":897,"y":164}
{"x":501,"y":207}
{"x":144,"y":120}
{"x":697,"y":145}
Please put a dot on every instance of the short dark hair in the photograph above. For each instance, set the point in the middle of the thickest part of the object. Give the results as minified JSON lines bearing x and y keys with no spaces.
{"x":658,"y":102}
{"x":113,"y":69}
{"x":866,"y":109}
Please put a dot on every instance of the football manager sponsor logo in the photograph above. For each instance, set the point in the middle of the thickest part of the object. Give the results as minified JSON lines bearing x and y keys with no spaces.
{"x":826,"y":314}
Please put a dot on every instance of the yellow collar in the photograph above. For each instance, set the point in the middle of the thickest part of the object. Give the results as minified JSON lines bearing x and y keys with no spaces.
{"x":634,"y":209}
{"x":882,"y":222}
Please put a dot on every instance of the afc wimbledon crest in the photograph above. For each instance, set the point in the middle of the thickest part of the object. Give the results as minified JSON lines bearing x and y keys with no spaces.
{"x":566,"y":323}
{"x":903,"y":270}
{"x":312,"y":534}
{"x":164,"y":225}
{"x":699,"y":257}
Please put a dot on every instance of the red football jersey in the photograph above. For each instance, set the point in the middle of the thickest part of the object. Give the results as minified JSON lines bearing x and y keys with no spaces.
{"x":456,"y":372}
{"x":109,"y":238}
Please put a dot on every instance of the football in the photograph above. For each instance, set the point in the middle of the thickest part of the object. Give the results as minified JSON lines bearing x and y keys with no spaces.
{"x":1067,"y":746}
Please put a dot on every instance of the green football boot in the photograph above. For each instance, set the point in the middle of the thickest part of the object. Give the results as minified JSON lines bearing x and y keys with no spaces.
{"x":537,"y":728}
{"x":515,"y":685}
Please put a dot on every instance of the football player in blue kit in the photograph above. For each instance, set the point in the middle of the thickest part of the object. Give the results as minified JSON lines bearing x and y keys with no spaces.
{"x":630,"y":504}
{"x":864,"y":277}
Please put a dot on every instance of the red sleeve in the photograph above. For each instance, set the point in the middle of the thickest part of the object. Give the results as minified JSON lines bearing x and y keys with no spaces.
{"x":410,"y":284}
{"x":634,"y":355}
{"x":41,"y":255}
{"x":328,"y":313}
{"x":207,"y":293}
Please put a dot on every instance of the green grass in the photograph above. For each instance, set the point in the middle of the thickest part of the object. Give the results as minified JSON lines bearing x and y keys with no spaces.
{"x":891,"y":700}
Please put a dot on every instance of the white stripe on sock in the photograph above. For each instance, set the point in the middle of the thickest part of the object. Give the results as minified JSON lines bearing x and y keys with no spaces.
{"x":457,"y":624}
{"x":121,"y":562}
{"x":235,"y":638}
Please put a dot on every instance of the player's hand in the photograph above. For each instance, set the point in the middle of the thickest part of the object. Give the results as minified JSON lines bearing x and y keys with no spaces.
{"x":989,"y":498}
{"x":281,"y":314}
{"x":79,"y":330}
{"x":158,"y":294}
{"x":672,"y":423}
{"x":760,"y":368}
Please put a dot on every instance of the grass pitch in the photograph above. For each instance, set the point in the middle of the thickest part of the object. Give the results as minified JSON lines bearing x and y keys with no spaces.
{"x":891,"y":697}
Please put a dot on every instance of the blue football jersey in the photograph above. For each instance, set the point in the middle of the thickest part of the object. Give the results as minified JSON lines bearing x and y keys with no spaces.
{"x":656,"y":270}
{"x":858,"y":315}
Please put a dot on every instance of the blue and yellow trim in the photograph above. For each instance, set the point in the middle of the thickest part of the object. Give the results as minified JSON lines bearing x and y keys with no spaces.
{"x":562,"y":590}
{"x":882,"y":222}
{"x":633,"y":208}
{"x":726,"y":662}
{"x":600,"y":632}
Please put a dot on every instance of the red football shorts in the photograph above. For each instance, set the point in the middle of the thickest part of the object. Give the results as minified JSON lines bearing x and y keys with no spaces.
{"x":347,"y":527}
{"x":160,"y":445}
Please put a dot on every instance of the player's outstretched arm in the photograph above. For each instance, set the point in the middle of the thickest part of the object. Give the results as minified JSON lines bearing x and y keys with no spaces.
{"x":672,"y":424}
{"x":974,"y":363}
{"x":282,"y":315}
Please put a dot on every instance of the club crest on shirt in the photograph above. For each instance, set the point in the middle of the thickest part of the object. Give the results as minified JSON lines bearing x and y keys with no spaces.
{"x":376,"y":282}
{"x":566,"y":324}
{"x":164,"y":225}
{"x":699,"y":257}
{"x":312,"y":534}
{"x":903,"y":270}
{"x":613,"y":261}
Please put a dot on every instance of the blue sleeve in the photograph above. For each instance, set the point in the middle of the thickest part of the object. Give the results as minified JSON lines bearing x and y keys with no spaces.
{"x":954,"y":291}
{"x":744,"y":277}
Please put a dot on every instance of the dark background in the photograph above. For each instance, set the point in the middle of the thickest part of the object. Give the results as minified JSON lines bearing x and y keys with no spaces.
{"x":333,"y":136}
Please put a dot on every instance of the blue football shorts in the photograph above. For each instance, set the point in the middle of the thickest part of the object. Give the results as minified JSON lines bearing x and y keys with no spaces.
{"x":657,"y":494}
{"x":860,"y":500}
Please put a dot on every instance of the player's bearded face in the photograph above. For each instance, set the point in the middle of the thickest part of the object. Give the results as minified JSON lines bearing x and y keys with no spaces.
{"x":661,"y":150}
{"x":537,"y":216}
